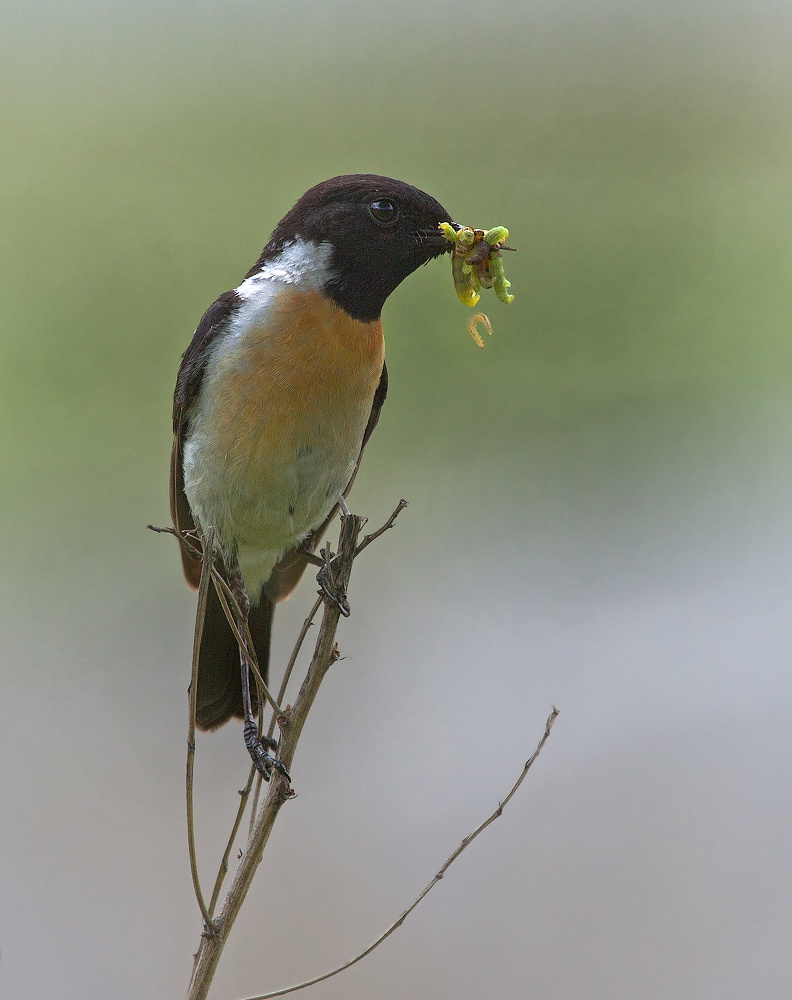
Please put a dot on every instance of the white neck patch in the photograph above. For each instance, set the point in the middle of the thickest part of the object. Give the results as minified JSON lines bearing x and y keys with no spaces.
{"x":300,"y":262}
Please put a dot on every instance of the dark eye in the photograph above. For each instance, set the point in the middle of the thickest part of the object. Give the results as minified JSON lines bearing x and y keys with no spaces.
{"x":384,"y":211}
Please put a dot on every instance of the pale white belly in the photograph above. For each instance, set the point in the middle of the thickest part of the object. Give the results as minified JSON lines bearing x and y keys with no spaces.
{"x":261,"y":516}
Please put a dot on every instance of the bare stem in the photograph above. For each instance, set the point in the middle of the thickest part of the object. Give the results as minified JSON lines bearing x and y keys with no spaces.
{"x":234,"y":617}
{"x":325,"y":653}
{"x":446,"y":865}
{"x":203,"y":594}
{"x":292,"y":722}
{"x":368,"y":539}
{"x":222,"y":871}
{"x":293,"y":659}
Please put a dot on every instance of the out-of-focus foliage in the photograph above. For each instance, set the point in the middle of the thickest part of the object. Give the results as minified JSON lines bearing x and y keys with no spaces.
{"x":603,"y":486}
{"x":641,"y":167}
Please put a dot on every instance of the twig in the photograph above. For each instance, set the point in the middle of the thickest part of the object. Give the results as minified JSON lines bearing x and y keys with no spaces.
{"x":368,"y":539}
{"x":292,"y":721}
{"x":325,"y":653}
{"x":255,"y":804}
{"x":222,"y":871}
{"x":293,"y":659}
{"x":446,"y":865}
{"x":203,"y":594}
{"x":234,"y":616}
{"x":189,"y":538}
{"x":281,"y":695}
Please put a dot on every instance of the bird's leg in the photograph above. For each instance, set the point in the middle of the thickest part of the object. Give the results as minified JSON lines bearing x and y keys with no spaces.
{"x":257,"y":745}
{"x":325,"y":577}
{"x":306,"y":546}
{"x":305,"y":549}
{"x":265,"y":763}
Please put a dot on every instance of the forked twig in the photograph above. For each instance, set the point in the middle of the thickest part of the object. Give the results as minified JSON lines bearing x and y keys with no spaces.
{"x":446,"y":865}
{"x":292,"y":721}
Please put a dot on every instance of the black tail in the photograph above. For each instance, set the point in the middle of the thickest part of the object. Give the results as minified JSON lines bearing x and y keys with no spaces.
{"x":219,"y":680}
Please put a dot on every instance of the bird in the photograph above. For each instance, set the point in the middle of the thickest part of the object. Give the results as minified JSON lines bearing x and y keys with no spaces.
{"x":276,"y":397}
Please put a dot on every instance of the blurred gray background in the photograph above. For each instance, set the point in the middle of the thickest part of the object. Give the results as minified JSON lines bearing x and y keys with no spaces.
{"x":599,"y":501}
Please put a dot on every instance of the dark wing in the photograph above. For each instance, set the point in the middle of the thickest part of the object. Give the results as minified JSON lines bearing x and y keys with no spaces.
{"x":188,"y":383}
{"x":376,"y":407}
{"x":287,"y":573}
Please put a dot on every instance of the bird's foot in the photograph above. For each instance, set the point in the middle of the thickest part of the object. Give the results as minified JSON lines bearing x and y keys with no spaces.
{"x":257,"y":747}
{"x":329,"y":589}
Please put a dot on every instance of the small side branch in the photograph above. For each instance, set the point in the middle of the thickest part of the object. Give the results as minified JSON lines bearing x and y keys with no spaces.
{"x":446,"y":865}
{"x":368,"y":539}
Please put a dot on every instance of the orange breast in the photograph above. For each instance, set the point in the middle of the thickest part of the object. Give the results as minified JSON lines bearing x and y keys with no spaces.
{"x":278,"y":430}
{"x":309,"y":360}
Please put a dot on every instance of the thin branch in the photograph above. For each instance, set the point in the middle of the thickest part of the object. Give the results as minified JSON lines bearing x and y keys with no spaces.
{"x":368,"y":539}
{"x":204,"y":549}
{"x":293,"y":659}
{"x":209,"y":573}
{"x":279,"y":791}
{"x":255,"y":804}
{"x":245,"y":642}
{"x":281,"y":695}
{"x":203,"y":595}
{"x":446,"y":865}
{"x":191,"y":539}
{"x":222,"y":871}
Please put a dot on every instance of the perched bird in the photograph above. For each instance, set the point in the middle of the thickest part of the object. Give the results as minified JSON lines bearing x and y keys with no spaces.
{"x":277,"y":395}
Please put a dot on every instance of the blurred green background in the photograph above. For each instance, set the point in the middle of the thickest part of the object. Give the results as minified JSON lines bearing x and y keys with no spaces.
{"x":599,"y":499}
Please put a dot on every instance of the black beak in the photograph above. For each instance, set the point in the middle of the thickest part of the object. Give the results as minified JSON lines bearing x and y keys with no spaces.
{"x":432,"y":243}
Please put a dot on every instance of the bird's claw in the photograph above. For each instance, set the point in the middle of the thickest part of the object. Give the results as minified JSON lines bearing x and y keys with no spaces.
{"x":328,"y":589}
{"x":257,"y":747}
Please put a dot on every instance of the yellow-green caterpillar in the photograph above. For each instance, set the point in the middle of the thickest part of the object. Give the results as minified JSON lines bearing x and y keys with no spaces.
{"x":476,"y":263}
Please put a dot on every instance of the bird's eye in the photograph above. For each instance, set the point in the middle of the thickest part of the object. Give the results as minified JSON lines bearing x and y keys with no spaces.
{"x":383,"y":211}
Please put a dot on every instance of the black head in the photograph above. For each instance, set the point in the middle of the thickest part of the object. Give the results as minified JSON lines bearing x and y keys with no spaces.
{"x":380,"y":230}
